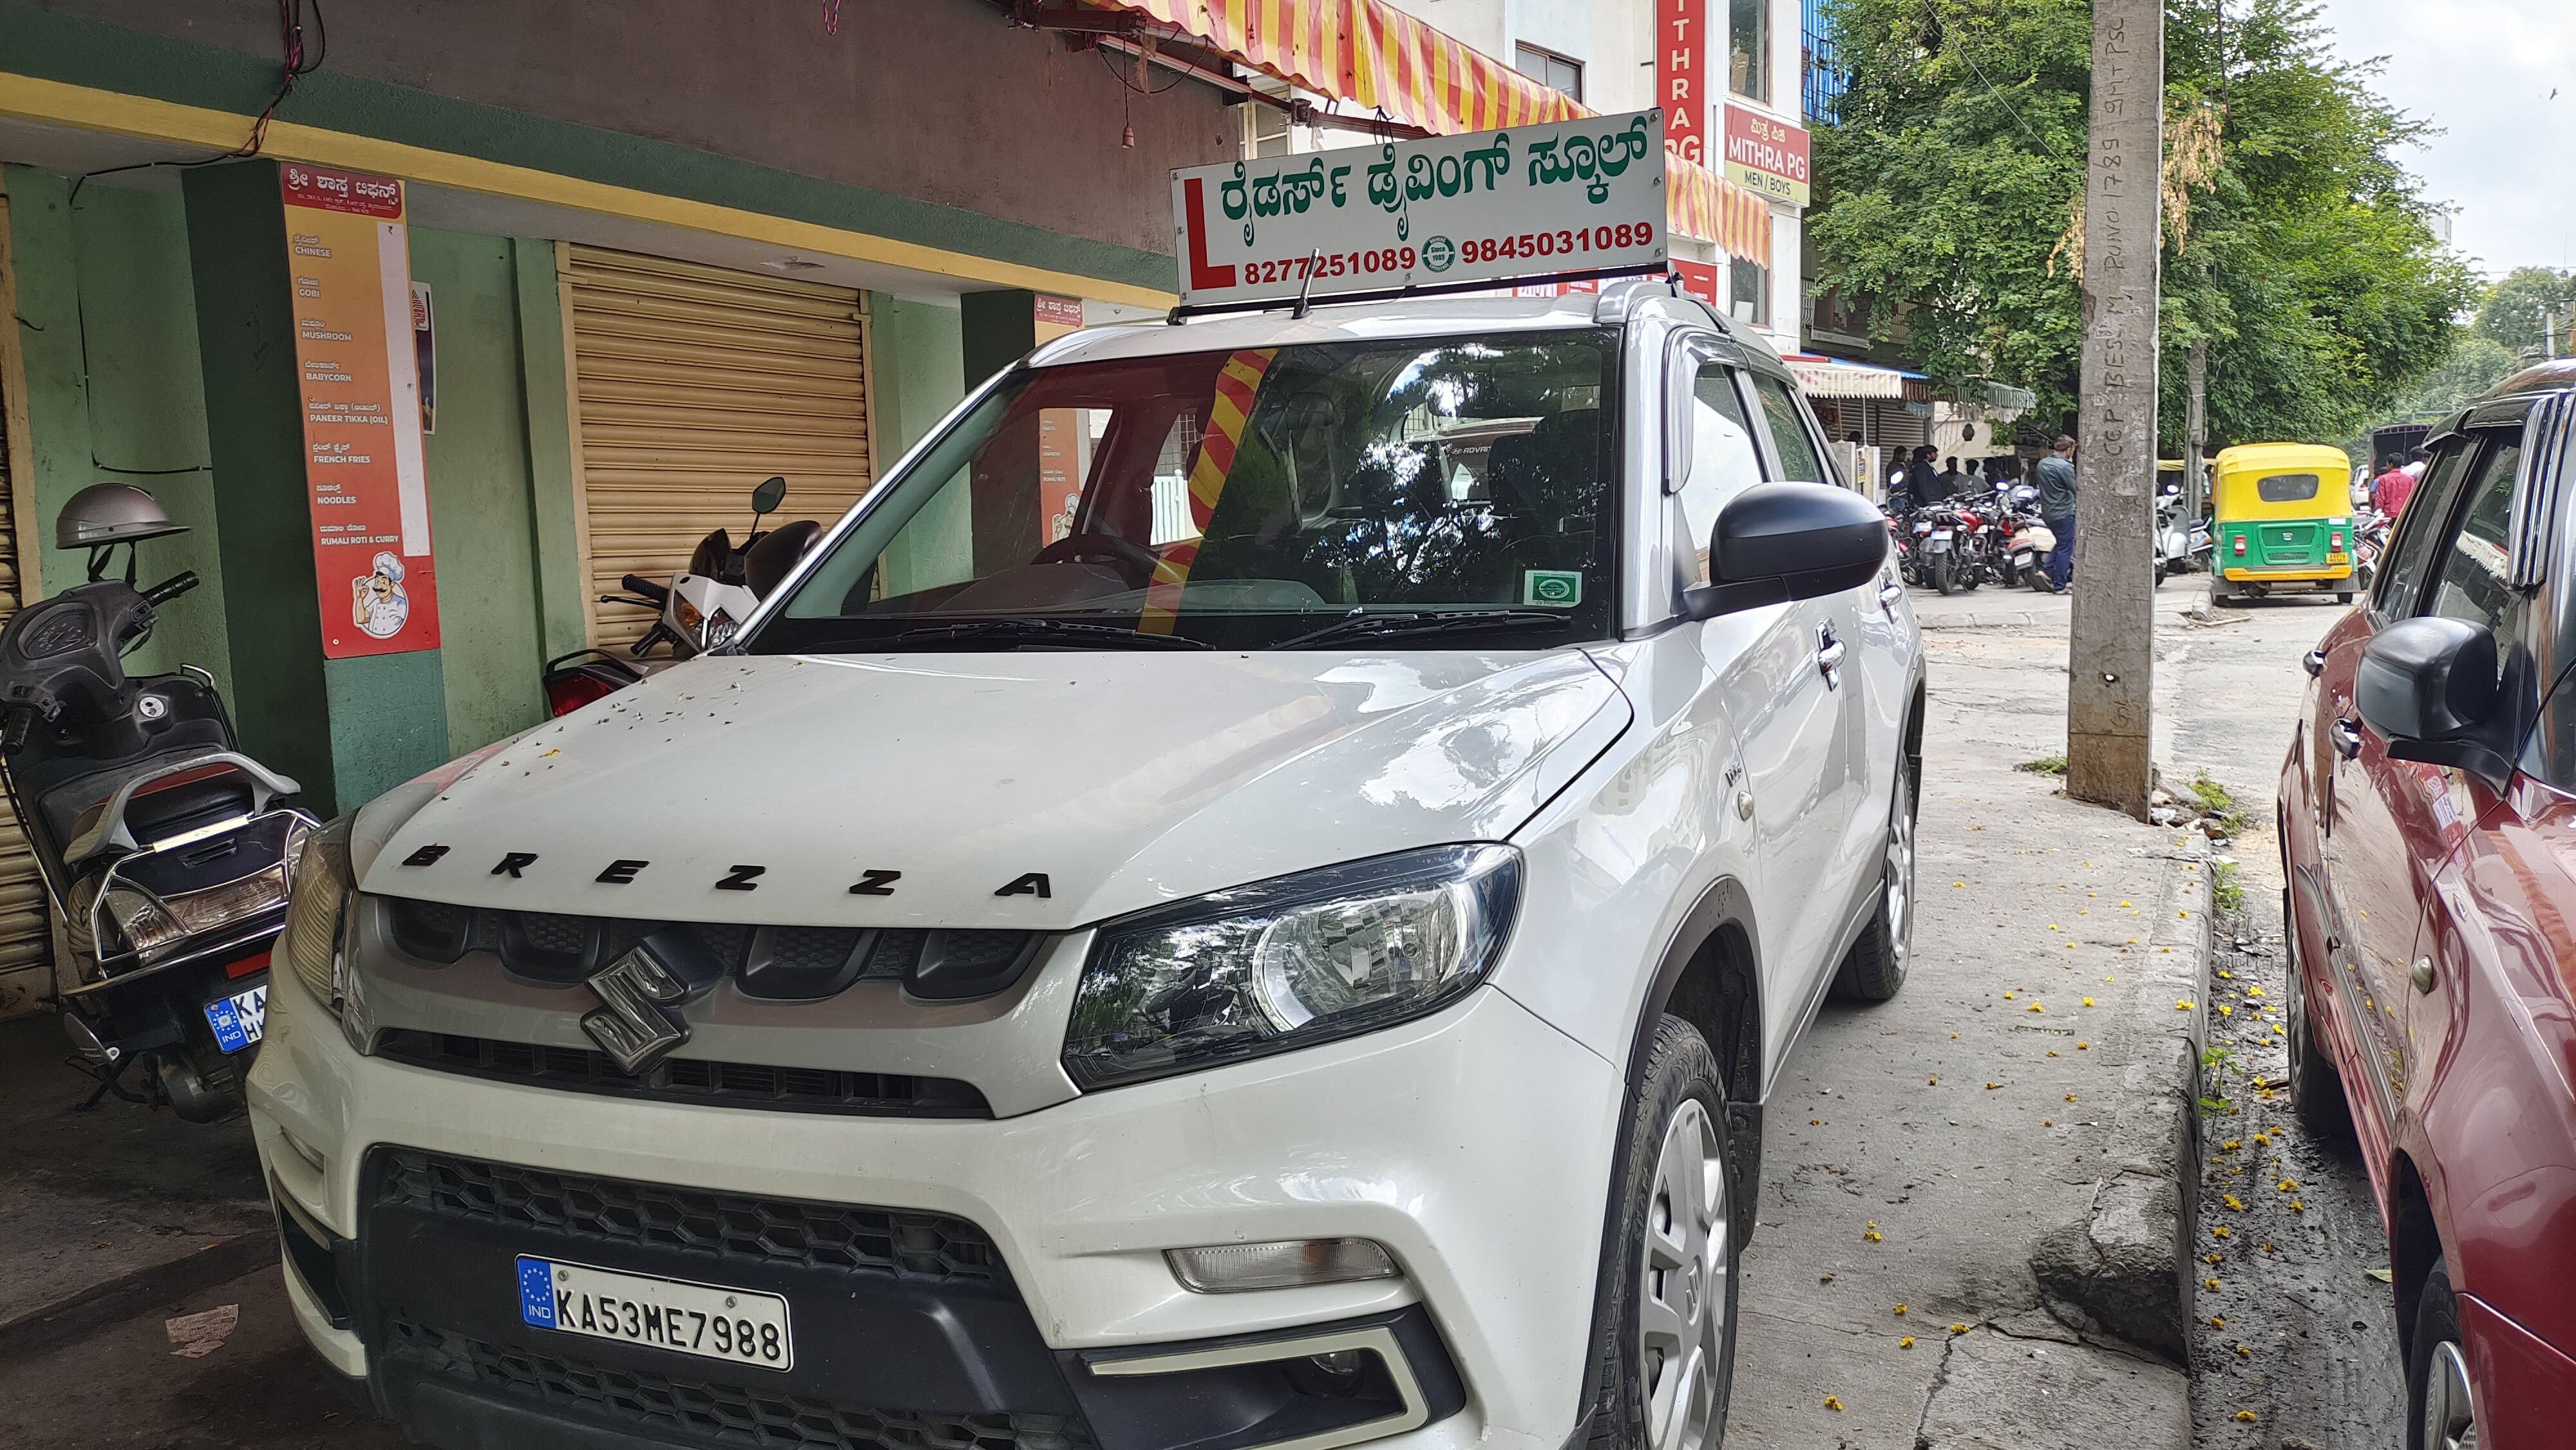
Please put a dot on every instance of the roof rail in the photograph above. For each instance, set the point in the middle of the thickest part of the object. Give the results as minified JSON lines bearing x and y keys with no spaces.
{"x":1617,"y":297}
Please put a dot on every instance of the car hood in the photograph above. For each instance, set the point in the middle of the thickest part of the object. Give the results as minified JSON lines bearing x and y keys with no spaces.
{"x":1032,"y":789}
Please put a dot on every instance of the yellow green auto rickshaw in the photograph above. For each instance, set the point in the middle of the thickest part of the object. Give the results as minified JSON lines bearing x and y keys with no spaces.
{"x":2282,"y":520}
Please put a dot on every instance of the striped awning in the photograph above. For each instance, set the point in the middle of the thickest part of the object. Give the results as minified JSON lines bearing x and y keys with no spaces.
{"x":1829,"y":377}
{"x":1378,"y":58}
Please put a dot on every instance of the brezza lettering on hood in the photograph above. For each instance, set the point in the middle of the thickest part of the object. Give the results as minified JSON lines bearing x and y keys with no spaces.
{"x":1033,"y":790}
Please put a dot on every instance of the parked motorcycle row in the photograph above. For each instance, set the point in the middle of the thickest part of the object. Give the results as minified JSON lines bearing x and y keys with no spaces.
{"x":1998,"y":537}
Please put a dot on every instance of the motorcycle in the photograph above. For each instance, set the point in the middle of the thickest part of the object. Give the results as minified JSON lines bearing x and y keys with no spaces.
{"x":2025,"y":541}
{"x":2369,"y":541}
{"x":167,"y":853}
{"x":700,"y":610}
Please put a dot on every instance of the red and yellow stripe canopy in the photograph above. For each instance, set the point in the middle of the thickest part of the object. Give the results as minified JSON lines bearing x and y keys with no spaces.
{"x":1378,"y":58}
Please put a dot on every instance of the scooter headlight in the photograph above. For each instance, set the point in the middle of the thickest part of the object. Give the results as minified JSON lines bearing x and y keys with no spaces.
{"x":1287,"y":963}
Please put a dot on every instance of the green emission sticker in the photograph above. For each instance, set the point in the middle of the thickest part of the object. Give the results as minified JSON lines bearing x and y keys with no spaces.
{"x":1438,"y":253}
{"x":1552,"y":586}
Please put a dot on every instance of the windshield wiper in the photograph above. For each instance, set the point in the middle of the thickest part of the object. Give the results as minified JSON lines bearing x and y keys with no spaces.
{"x":1387,"y":626}
{"x":1048,"y":631}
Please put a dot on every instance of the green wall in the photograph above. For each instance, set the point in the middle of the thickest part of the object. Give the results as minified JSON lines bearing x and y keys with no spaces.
{"x":107,"y":318}
{"x":481,"y":497}
{"x":920,"y":355}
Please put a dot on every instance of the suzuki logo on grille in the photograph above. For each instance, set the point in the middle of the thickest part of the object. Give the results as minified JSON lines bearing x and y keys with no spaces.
{"x":636,"y":1023}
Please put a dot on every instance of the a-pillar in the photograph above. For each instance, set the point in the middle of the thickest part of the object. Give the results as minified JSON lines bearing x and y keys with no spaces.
{"x":346,"y":729}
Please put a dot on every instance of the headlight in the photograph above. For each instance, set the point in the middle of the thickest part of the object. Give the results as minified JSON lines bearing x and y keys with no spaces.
{"x":1288,"y":963}
{"x":313,"y":943}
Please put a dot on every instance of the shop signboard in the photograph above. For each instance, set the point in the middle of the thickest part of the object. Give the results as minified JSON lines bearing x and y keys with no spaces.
{"x":1572,"y":197}
{"x":357,"y":356}
{"x":1681,"y":66}
{"x":1766,"y":156}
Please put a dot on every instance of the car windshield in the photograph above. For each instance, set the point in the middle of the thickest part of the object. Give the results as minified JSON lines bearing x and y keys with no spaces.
{"x":1246,"y":500}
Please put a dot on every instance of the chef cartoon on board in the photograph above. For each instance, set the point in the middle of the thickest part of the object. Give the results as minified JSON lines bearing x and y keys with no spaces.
{"x":378,"y":604}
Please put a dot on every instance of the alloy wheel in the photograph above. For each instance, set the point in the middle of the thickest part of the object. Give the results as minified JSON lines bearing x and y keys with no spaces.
{"x":1900,"y":875}
{"x":1683,"y":1303}
{"x":2450,"y":1422}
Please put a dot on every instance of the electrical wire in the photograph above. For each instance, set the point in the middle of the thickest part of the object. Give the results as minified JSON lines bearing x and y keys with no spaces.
{"x":1103,"y":52}
{"x":296,"y":65}
{"x":1991,"y":89}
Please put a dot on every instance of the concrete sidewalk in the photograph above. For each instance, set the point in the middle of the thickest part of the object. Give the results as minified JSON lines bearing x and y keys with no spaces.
{"x":2003,"y":1151}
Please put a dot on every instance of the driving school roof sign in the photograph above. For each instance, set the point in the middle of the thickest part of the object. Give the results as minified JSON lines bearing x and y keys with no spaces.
{"x":1580,"y":197}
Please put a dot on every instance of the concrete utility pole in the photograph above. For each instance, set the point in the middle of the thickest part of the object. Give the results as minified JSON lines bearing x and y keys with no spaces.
{"x":2195,"y":434}
{"x":2111,"y":645}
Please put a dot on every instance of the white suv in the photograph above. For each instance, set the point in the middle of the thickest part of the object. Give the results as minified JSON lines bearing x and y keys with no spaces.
{"x":1252,"y":893}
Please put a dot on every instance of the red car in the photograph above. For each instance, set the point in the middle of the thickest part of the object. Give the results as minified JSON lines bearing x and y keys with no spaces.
{"x":2428,"y":835}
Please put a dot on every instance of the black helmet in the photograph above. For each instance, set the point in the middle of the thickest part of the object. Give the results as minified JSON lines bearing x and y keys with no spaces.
{"x":111,"y":513}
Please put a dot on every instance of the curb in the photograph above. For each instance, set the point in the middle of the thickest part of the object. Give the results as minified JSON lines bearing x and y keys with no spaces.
{"x":76,"y":1316}
{"x":2126,"y":1269}
{"x":1990,"y":619}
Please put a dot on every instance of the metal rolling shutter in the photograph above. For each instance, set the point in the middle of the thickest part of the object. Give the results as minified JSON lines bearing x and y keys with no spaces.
{"x":25,"y":939}
{"x":690,"y":385}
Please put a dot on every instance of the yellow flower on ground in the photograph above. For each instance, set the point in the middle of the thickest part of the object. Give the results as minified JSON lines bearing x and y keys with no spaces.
{"x":2088,"y":1001}
{"x":2219,"y":1232}
{"x":2210,"y":1284}
{"x":2231,"y":1201}
{"x":2253,"y":991}
{"x":1836,"y":1405}
{"x":1900,"y":1309}
{"x":1990,"y":1087}
{"x":2083,"y":1046}
{"x":1906,"y":1343}
{"x":2218,"y":1321}
{"x":2182,"y":1004}
{"x":2038,"y":1007}
{"x":2246,"y":1415}
{"x":1958,"y":1329}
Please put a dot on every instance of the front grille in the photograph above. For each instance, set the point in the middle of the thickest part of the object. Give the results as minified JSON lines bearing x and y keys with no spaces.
{"x":779,"y":963}
{"x":720,"y":1226}
{"x":708,"y":1412}
{"x":691,"y":1079}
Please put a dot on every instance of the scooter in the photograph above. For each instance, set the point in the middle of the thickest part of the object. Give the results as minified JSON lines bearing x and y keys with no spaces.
{"x":167,"y":853}
{"x":699,"y":611}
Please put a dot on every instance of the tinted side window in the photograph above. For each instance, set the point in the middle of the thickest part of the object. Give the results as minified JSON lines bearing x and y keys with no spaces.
{"x":1723,"y":463}
{"x":2475,"y":583}
{"x":1799,"y":461}
{"x":2420,"y":529}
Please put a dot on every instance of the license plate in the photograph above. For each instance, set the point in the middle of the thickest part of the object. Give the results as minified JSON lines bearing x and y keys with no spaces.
{"x":239,"y":1018}
{"x":734,"y":1325}
{"x":1940,"y":534}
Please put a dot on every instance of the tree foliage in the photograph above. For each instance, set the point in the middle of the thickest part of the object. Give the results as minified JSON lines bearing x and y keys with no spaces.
{"x":1951,"y":192}
{"x":2525,"y":310}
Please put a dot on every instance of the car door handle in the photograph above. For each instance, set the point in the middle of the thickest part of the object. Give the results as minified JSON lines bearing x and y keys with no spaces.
{"x":1889,"y":591}
{"x":1829,"y":659}
{"x":2314,"y":662}
{"x":2346,"y":738}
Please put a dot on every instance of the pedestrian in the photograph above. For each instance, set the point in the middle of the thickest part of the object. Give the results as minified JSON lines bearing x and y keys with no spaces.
{"x":1952,"y":481}
{"x":1920,"y":479}
{"x":2056,"y":479}
{"x":1976,"y":483}
{"x":2390,"y":490}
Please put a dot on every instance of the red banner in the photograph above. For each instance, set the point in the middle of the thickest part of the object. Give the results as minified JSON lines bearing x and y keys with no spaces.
{"x":349,"y":256}
{"x":1681,"y":70}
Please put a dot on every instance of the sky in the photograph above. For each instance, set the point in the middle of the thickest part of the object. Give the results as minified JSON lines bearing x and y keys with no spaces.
{"x":2484,"y":73}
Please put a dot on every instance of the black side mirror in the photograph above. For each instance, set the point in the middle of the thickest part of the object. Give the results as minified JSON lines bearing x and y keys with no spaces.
{"x":2429,"y":685}
{"x":766,"y":498}
{"x":1776,"y":542}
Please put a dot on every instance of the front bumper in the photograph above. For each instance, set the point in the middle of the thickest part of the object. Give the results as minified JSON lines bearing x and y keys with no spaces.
{"x":1476,"y":1145}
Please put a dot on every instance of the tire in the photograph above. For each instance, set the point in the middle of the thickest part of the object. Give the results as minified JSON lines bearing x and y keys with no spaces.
{"x":2223,"y":595}
{"x":1874,"y":969}
{"x":2316,"y":1085}
{"x":1668,"y":1363}
{"x":2439,"y":1415}
{"x":2343,"y":596}
{"x":2035,"y":578}
{"x":2163,"y":568}
{"x":1945,"y":573}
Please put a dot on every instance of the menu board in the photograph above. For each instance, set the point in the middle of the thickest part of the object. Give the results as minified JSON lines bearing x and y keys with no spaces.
{"x":358,"y":367}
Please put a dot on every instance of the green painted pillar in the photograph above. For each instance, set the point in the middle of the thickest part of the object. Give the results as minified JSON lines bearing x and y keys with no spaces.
{"x":1001,"y":328}
{"x":347,"y":729}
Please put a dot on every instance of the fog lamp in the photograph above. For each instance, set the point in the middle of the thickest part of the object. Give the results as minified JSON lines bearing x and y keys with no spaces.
{"x":1282,"y":1264}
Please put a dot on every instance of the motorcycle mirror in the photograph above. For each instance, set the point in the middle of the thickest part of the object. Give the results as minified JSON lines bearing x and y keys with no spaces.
{"x":766,"y":498}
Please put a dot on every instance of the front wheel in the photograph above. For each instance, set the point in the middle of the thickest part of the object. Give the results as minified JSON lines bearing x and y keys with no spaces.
{"x":2440,"y":1413}
{"x":1945,"y":573}
{"x":1875,"y":968}
{"x":1669,"y":1279}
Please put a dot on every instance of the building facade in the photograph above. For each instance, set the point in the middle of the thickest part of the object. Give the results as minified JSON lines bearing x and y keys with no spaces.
{"x":654,"y":254}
